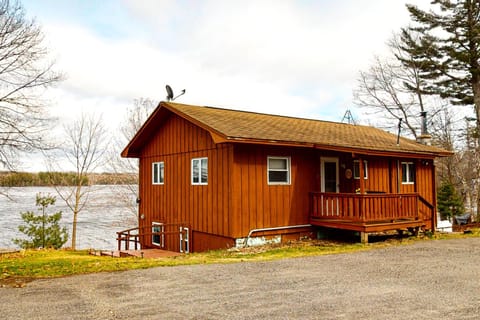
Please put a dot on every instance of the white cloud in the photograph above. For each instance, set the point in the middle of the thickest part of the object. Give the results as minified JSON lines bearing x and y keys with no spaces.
{"x":298,"y":58}
{"x":316,"y":46}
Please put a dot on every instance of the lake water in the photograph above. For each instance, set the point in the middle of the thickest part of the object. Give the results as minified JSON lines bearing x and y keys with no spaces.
{"x":109,"y":209}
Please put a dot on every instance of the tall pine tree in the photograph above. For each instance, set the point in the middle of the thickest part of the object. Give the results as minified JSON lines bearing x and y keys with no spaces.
{"x":450,"y":47}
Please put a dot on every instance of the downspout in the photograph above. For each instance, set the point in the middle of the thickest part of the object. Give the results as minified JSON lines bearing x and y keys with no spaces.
{"x":274,"y":229}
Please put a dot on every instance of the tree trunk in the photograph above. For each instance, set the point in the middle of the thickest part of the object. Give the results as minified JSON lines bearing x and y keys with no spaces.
{"x":75,"y":213}
{"x":74,"y":230}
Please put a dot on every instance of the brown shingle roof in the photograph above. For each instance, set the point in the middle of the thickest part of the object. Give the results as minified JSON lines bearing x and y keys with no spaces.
{"x":242,"y":126}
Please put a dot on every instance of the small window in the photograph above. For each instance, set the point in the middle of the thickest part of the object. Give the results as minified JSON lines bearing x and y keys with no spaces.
{"x":278,"y":169}
{"x":408,"y":173}
{"x":158,"y":173}
{"x":356,"y":169}
{"x":158,"y":239}
{"x":199,"y":171}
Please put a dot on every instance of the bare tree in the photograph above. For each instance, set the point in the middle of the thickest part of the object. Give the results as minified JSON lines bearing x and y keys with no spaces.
{"x":447,"y":132}
{"x":393,"y":88}
{"x":137,"y":114}
{"x":25,"y":73}
{"x":84,"y":149}
{"x":468,"y":168}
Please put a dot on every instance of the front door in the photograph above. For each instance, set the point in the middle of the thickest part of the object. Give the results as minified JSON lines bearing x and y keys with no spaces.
{"x":329,"y":175}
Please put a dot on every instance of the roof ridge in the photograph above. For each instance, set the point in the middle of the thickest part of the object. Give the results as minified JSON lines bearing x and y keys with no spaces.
{"x":271,"y":115}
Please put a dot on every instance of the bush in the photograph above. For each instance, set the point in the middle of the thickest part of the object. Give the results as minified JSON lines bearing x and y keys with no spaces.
{"x":43,"y":230}
{"x":449,"y":202}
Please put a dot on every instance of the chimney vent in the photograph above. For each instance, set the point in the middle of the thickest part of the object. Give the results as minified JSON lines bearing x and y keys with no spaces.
{"x":424,"y":137}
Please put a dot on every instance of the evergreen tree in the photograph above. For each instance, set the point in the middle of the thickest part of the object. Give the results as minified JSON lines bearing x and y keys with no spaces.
{"x":43,"y":230}
{"x":449,"y":46}
{"x":395,"y":86}
{"x":449,"y":202}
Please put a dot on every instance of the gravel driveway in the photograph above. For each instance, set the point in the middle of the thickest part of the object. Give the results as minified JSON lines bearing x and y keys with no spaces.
{"x":426,"y":280}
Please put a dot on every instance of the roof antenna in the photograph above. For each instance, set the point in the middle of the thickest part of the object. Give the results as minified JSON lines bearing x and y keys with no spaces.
{"x":170,"y":96}
{"x":348,"y":117}
{"x":399,"y":128}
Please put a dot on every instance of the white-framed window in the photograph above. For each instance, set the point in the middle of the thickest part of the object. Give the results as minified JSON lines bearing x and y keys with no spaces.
{"x":356,"y":169}
{"x":278,"y":170}
{"x":408,"y":173}
{"x":158,"y":239}
{"x":199,"y":171}
{"x":158,"y":173}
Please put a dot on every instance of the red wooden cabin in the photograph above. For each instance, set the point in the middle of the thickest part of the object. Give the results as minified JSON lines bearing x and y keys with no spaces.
{"x":211,"y":178}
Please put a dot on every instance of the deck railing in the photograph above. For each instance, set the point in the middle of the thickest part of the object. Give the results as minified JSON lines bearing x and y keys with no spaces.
{"x":162,"y":235}
{"x":363,"y":207}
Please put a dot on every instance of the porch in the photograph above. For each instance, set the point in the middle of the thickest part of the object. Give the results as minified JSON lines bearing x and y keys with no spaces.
{"x":367,"y":213}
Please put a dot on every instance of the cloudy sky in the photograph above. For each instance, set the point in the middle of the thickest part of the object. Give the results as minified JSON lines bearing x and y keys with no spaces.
{"x":298,"y":58}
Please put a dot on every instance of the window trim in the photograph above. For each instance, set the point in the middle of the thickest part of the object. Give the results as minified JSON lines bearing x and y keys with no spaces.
{"x":408,"y":165}
{"x":288,"y":170}
{"x":356,"y":175}
{"x":184,"y":241}
{"x":199,"y":183}
{"x":161,"y":227}
{"x":161,"y":177}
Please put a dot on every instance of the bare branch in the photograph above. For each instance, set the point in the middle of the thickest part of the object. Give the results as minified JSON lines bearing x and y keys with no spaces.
{"x":135,"y":118}
{"x":85,"y":149}
{"x":24,"y":73}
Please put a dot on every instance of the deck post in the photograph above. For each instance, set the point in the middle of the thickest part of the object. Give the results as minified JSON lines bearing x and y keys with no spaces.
{"x":364,"y":237}
{"x":361,"y":168}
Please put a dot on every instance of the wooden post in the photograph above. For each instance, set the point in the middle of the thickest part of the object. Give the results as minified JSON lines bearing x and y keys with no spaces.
{"x":364,"y":237}
{"x":362,"y":189}
{"x":362,"y":175}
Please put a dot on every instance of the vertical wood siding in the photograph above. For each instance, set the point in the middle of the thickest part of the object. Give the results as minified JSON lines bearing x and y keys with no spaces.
{"x":204,"y":207}
{"x":255,"y":203}
{"x":378,"y":175}
{"x":238,"y":197}
{"x":425,"y":186}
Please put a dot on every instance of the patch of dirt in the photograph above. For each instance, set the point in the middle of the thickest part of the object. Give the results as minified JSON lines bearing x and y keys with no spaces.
{"x":15,"y":282}
{"x":289,"y":244}
{"x":390,"y":237}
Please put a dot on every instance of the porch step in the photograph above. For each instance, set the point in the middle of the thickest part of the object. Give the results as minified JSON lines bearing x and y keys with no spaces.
{"x":145,"y":253}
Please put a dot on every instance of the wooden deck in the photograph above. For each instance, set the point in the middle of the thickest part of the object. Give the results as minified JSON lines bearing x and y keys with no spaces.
{"x":367,"y":213}
{"x":368,"y":227}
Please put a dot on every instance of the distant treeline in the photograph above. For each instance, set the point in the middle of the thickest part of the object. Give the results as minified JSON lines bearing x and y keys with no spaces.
{"x":28,"y":179}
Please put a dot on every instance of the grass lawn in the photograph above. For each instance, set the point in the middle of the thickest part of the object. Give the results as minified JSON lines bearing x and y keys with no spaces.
{"x":18,"y":268}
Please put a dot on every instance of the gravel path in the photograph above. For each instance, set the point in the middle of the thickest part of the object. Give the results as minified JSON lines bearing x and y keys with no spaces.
{"x":426,"y":280}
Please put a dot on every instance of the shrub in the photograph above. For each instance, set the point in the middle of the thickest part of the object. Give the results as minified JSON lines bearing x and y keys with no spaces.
{"x":449,"y":202}
{"x":43,"y":230}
